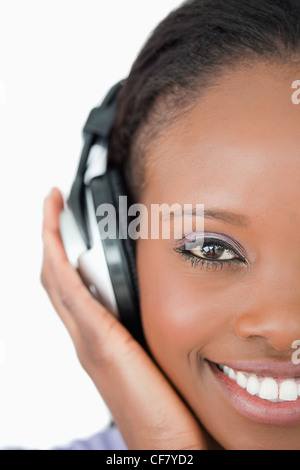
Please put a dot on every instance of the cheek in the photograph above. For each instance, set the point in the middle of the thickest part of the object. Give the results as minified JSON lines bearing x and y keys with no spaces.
{"x":181,"y":312}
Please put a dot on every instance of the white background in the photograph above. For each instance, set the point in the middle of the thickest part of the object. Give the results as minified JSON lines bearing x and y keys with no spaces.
{"x":57,"y":60}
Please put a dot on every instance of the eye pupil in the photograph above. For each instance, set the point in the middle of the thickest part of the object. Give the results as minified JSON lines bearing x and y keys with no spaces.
{"x":213,"y":251}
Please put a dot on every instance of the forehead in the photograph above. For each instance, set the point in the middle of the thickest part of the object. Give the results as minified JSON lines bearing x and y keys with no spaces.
{"x":237,"y":149}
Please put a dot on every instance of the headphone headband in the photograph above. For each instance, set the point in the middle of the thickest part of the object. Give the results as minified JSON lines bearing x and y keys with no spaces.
{"x":100,"y":120}
{"x":97,"y":129}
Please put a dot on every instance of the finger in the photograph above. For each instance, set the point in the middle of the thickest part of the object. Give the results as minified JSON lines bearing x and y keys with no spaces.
{"x":53,"y":204}
{"x":64,"y":316}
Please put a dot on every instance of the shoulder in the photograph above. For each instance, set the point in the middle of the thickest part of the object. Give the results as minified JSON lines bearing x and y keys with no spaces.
{"x":109,"y":439}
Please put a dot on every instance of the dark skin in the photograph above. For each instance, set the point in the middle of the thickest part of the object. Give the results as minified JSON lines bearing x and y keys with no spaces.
{"x":240,"y":145}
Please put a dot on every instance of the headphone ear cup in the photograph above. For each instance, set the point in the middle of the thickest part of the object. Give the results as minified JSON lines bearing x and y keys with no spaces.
{"x":118,"y":189}
{"x":119,"y":252}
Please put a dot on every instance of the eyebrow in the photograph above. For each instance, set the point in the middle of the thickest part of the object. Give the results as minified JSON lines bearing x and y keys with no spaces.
{"x":228,"y":217}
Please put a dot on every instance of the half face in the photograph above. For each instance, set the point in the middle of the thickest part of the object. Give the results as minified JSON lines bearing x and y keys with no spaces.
{"x":221,"y":318}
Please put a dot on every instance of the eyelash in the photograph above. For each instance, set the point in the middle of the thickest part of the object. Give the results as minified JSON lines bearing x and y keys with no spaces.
{"x":216,"y":264}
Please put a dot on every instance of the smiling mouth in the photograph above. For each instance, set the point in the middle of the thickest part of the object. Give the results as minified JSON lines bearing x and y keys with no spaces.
{"x":262,"y":391}
{"x":275,"y":390}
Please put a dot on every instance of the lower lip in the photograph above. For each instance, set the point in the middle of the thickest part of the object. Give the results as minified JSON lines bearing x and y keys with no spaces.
{"x":254,"y":408}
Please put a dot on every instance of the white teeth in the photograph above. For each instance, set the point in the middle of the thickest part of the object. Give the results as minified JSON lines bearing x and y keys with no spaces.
{"x":241,"y":380}
{"x":269,"y":389}
{"x":252,"y":385}
{"x":232,"y":374}
{"x":266,"y":388}
{"x":288,"y":390}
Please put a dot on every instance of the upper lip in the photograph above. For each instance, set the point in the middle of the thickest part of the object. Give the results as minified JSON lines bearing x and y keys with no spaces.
{"x":275,"y":369}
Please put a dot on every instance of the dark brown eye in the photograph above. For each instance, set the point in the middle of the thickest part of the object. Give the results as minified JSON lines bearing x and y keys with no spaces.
{"x":213,"y":251}
{"x":214,"y":254}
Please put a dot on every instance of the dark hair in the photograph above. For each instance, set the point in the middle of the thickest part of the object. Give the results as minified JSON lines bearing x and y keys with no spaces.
{"x":184,"y":55}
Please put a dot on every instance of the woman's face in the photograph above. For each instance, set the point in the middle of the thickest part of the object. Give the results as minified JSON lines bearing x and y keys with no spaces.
{"x":238,"y":153}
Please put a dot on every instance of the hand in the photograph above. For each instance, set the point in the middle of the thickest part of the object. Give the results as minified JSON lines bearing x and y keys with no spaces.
{"x":147,"y":410}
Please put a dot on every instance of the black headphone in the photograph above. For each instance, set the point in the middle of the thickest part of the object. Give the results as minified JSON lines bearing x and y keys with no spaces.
{"x":106,"y":265}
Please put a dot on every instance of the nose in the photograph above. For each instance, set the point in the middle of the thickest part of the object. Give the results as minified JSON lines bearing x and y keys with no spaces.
{"x":278,"y":327}
{"x":274,"y":314}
